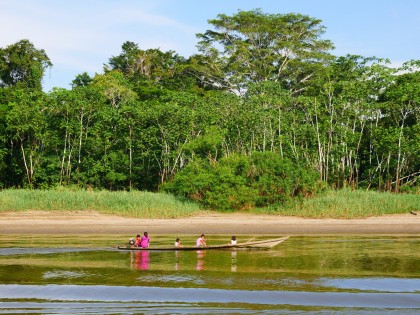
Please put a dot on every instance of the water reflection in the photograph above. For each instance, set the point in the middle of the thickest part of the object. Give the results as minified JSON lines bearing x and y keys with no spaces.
{"x":325,"y":275}
{"x":373,"y":284}
{"x":233,"y":261}
{"x":103,"y":293}
{"x":63,"y":274}
{"x":141,"y":259}
{"x":201,"y":255}
{"x":180,"y":260}
{"x":177,"y":256}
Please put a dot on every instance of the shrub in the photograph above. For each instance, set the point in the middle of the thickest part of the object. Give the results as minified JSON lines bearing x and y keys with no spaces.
{"x":241,"y":182}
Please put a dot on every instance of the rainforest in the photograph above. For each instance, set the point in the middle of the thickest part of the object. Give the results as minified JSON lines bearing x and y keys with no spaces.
{"x":262,"y":114}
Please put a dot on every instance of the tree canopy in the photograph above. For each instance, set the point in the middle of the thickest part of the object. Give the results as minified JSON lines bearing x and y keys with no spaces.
{"x":22,"y":64}
{"x":253,"y":47}
{"x":263,"y":113}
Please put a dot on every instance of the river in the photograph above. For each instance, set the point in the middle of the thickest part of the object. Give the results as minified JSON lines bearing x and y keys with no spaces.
{"x":314,"y":274}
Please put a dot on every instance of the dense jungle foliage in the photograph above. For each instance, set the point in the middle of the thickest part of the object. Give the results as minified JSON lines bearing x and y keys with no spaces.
{"x":263,"y":112}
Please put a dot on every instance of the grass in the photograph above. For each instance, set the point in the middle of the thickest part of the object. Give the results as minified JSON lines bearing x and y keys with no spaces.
{"x":341,"y":204}
{"x":348,"y":204}
{"x":134,"y":204}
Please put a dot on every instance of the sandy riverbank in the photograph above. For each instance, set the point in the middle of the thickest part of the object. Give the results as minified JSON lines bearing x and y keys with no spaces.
{"x":34,"y":222}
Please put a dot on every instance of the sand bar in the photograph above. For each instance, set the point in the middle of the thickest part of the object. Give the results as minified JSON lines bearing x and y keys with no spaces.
{"x":84,"y":222}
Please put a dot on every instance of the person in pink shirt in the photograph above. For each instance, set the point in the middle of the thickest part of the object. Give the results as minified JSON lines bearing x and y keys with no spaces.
{"x":201,"y":241}
{"x":145,"y":240}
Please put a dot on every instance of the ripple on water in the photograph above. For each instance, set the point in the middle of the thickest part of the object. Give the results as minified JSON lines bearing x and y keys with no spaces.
{"x":102,"y":293}
{"x":374,"y":284}
{"x":173,"y":278}
{"x":63,"y":274}
{"x":33,"y":251}
{"x":76,"y":308}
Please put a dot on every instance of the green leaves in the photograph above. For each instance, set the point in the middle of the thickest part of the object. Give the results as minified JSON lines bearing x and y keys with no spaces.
{"x":22,"y":64}
{"x":258,"y":116}
{"x":257,"y":47}
{"x":240,"y":182}
{"x":149,"y":71}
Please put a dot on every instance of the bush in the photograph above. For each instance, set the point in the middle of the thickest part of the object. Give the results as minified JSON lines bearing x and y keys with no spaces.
{"x":241,"y":182}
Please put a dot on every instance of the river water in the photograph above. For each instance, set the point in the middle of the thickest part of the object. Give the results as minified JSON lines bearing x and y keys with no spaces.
{"x":319,"y":275}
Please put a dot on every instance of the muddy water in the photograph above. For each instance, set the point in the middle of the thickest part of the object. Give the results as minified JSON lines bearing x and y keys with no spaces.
{"x":322,"y":275}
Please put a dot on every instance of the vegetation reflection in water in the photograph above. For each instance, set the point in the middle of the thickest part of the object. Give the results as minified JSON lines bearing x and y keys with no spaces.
{"x":299,"y":263}
{"x":344,"y":265}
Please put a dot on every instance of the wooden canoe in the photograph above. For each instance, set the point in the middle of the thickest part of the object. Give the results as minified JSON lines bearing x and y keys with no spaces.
{"x":247,"y":245}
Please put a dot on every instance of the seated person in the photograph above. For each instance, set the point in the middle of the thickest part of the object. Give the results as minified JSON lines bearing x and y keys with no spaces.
{"x":145,"y":240}
{"x":201,"y":241}
{"x":138,"y":241}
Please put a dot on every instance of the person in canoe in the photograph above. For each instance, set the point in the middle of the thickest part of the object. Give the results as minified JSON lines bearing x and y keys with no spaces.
{"x":137,"y":241}
{"x":177,"y":242}
{"x":145,"y":240}
{"x":201,"y":241}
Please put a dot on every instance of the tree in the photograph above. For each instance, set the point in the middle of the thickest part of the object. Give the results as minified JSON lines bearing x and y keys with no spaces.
{"x":345,"y":113}
{"x":151,"y":71}
{"x":27,"y":127}
{"x":22,"y":64}
{"x":119,"y":118}
{"x":251,"y":46}
{"x":82,"y":79}
{"x":401,"y":110}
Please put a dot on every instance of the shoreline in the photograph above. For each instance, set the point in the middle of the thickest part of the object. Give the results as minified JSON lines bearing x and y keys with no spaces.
{"x":88,"y":222}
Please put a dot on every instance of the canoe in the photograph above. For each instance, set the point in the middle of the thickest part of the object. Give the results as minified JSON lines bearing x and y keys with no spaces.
{"x":247,"y":245}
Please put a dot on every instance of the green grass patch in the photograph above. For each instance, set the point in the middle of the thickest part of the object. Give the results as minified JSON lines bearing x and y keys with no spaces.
{"x":134,"y":204}
{"x":347,"y":204}
{"x":341,"y":204}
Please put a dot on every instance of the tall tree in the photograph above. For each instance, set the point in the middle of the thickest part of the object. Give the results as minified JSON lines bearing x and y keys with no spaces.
{"x":22,"y":64}
{"x":252,"y":46}
{"x":28,"y":130}
{"x":401,"y":113}
{"x":116,"y":127}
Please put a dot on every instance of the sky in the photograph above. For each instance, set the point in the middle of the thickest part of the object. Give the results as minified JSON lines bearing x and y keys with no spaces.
{"x":81,"y":35}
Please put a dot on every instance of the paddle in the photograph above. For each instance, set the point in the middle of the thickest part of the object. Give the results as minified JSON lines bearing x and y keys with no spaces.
{"x":250,"y":240}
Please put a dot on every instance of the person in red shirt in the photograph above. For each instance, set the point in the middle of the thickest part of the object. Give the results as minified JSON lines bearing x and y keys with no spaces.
{"x":137,"y":243}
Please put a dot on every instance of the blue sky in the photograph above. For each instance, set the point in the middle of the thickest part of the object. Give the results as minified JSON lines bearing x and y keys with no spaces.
{"x":81,"y":35}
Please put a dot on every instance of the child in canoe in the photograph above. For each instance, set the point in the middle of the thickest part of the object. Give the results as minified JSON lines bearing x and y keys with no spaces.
{"x":137,"y":242}
{"x":201,"y":241}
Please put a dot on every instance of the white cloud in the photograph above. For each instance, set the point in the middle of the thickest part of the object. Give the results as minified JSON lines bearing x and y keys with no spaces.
{"x":140,"y":16}
{"x":77,"y":38}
